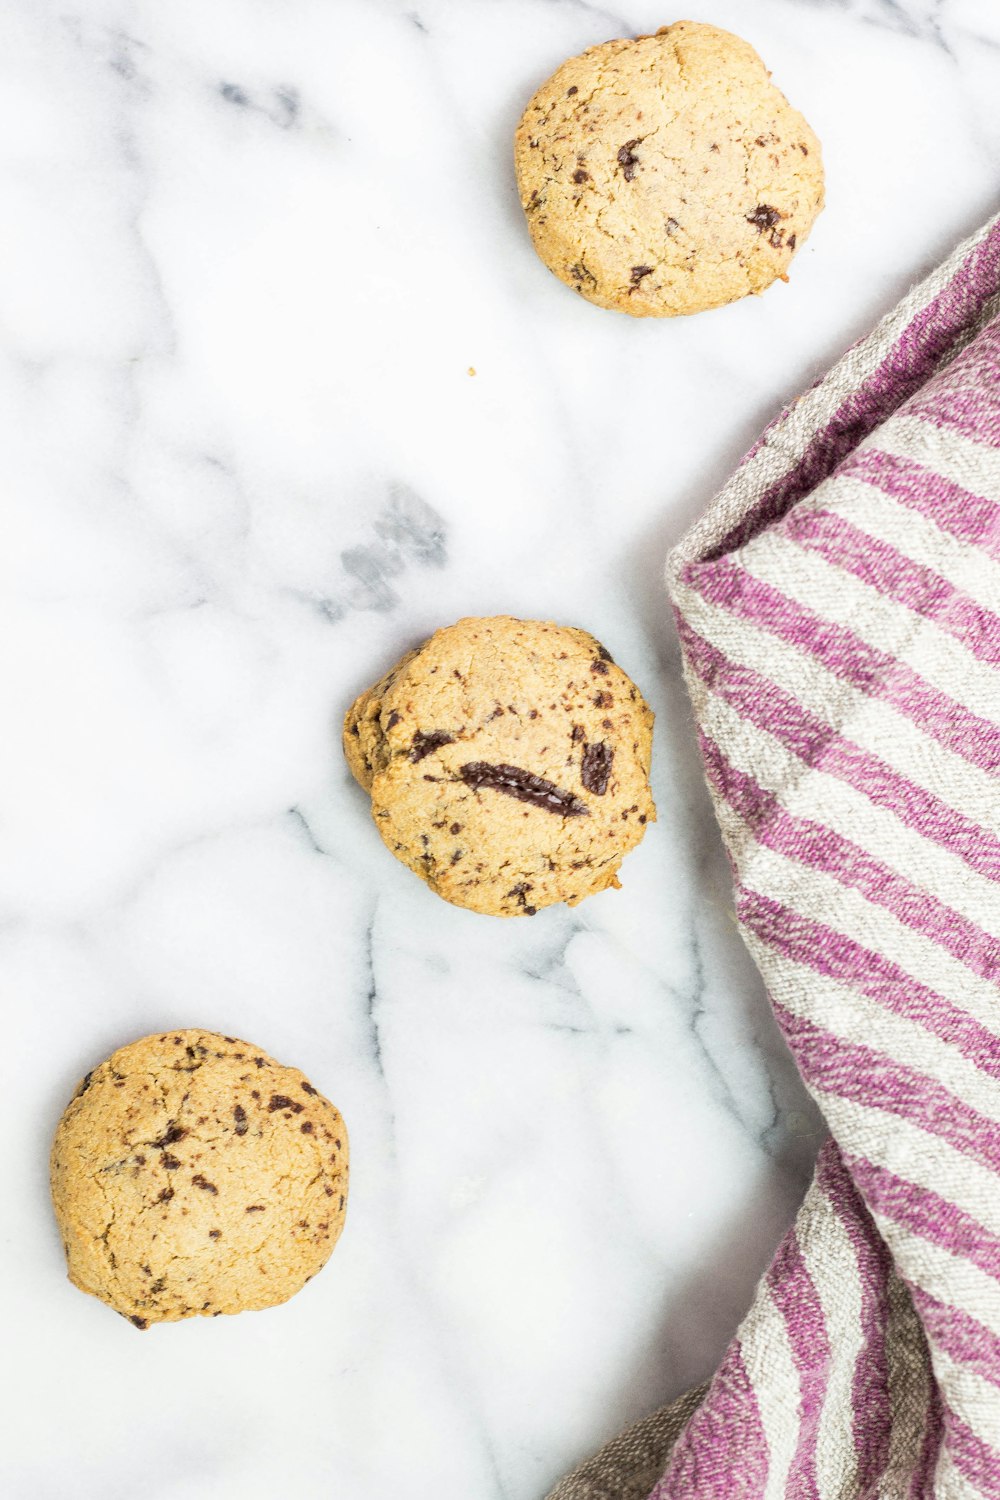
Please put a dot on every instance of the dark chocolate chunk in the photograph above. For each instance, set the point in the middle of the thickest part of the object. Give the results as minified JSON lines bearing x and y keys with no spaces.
{"x":139,"y":1322}
{"x":604,"y":653}
{"x":282,"y":1101}
{"x":393,"y":720}
{"x":764,"y":217}
{"x":240,"y":1116}
{"x":165,"y":1195}
{"x":425,"y":744}
{"x":173,"y":1132}
{"x":638,"y":272}
{"x":572,"y":89}
{"x":577,"y":733}
{"x":791,"y":242}
{"x":307,"y":1088}
{"x":580,"y":175}
{"x":627,"y":159}
{"x":514,"y":781}
{"x":520,"y":892}
{"x":600,"y":666}
{"x":255,"y":1208}
{"x":202,"y":1182}
{"x":596,"y":767}
{"x":169,"y":1163}
{"x":307,"y":1127}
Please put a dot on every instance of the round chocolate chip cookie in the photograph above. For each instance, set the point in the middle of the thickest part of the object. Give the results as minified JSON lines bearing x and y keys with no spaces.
{"x":667,"y":174}
{"x":192,"y":1174}
{"x":507,"y":762}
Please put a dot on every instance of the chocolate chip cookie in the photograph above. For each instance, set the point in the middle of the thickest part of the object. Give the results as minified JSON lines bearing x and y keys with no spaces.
{"x":507,"y":762}
{"x":667,"y":174}
{"x":193,"y":1175}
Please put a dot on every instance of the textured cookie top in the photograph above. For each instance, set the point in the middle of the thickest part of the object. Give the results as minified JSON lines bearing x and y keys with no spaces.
{"x":507,"y":762}
{"x":192,"y":1174}
{"x":667,"y":174}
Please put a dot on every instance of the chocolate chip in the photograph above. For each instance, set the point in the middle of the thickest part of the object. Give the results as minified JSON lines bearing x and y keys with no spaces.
{"x":520,"y":893}
{"x":579,"y":272}
{"x":255,"y":1208}
{"x":240,"y":1116}
{"x":393,"y":719}
{"x":627,"y":158}
{"x":595,"y":768}
{"x":791,"y":242}
{"x":764,"y":217}
{"x":215,"y":1234}
{"x":307,"y":1088}
{"x":577,"y":733}
{"x":282,"y":1101}
{"x":424,"y":744}
{"x":600,"y":666}
{"x":165,"y":1195}
{"x":307,"y":1127}
{"x":672,"y":225}
{"x":139,"y":1322}
{"x":203,"y":1183}
{"x":638,"y":272}
{"x":572,"y":90}
{"x":513,"y":781}
{"x":168,"y":1162}
{"x":580,"y":175}
{"x":604,"y":653}
{"x":173,"y":1132}
{"x":603,"y":700}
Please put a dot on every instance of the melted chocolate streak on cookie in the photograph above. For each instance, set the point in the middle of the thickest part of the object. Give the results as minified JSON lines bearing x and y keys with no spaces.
{"x":424,"y":743}
{"x":515,"y":782}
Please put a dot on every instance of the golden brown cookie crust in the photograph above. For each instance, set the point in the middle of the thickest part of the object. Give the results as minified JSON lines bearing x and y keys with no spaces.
{"x":507,"y":762}
{"x":667,"y":174}
{"x":194,"y":1175}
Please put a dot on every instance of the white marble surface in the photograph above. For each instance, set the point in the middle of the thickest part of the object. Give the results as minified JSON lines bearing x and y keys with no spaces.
{"x":251,"y":251}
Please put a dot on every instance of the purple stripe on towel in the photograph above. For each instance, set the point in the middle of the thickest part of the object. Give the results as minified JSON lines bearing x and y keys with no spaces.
{"x":867,"y":669}
{"x":969,"y":517}
{"x":820,"y":746}
{"x":870,"y":1402}
{"x":819,"y":847}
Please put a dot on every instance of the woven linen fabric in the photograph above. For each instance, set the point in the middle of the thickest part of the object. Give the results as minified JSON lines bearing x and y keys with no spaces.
{"x":839,"y":613}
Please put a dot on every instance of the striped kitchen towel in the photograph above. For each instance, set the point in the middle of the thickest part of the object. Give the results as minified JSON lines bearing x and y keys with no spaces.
{"x":839,"y":613}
